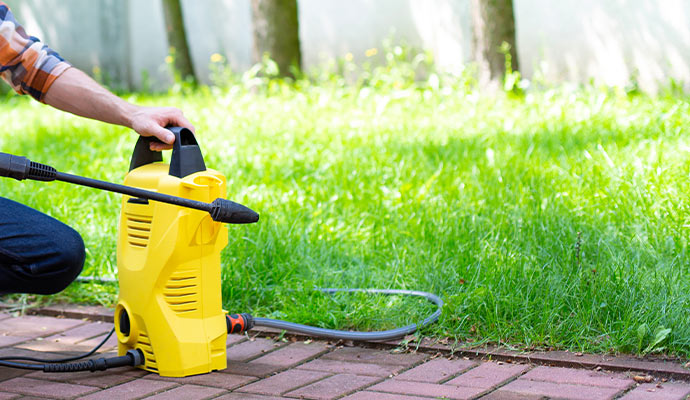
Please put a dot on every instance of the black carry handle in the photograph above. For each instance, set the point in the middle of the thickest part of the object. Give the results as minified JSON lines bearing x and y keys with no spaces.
{"x":186,"y":156}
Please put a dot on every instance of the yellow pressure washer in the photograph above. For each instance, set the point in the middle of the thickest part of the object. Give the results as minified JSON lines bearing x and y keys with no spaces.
{"x":169,"y":317}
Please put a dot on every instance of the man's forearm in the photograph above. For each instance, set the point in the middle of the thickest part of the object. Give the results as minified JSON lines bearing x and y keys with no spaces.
{"x":77,"y":93}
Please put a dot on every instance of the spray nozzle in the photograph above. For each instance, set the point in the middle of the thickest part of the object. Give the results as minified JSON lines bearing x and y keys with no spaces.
{"x":227,"y":211}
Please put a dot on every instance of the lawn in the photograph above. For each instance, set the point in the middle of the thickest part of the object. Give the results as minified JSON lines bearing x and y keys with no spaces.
{"x":554,"y":218}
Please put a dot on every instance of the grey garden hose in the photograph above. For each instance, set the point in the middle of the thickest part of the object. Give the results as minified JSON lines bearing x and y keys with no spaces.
{"x":361,"y":336}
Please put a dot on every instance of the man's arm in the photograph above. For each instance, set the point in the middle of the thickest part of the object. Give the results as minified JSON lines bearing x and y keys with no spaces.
{"x":75,"y":92}
{"x":33,"y":68}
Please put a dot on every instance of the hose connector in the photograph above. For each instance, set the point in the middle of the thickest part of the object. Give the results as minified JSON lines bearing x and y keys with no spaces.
{"x":239,"y":323}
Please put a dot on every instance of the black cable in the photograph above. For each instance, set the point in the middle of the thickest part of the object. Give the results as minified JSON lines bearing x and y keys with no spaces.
{"x":60,"y":360}
{"x":10,"y":364}
{"x":132,"y":358}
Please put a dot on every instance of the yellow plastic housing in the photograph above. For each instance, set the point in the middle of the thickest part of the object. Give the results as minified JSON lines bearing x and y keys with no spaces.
{"x":168,"y":260}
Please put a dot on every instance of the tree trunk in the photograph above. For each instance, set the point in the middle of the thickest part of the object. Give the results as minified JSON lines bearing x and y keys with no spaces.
{"x":493,"y":24}
{"x":177,"y":38}
{"x":276,"y":33}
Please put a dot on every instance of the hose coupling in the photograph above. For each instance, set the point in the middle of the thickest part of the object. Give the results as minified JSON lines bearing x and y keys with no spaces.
{"x":239,"y":323}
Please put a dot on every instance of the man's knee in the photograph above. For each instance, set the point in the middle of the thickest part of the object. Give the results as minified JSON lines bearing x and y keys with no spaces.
{"x":38,"y":254}
{"x":73,"y":255}
{"x":67,"y":265}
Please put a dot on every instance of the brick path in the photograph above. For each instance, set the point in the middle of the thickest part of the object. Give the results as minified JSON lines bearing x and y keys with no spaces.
{"x":261,"y":368}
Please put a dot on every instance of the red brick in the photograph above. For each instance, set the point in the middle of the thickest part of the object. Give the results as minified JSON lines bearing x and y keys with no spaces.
{"x":110,"y":353}
{"x":214,"y":379}
{"x":9,"y":373}
{"x":249,"y":396}
{"x":251,"y":349}
{"x":283,"y":382}
{"x":35,"y":387}
{"x":247,"y":369}
{"x":33,"y":326}
{"x":30,"y":398}
{"x":330,"y":388}
{"x":101,"y":379}
{"x":348,"y":367}
{"x":135,"y":372}
{"x":381,"y":396}
{"x":488,"y":375}
{"x":559,"y":390}
{"x":667,"y":391}
{"x":292,"y":354}
{"x":132,"y":390}
{"x":591,"y":361}
{"x":234,"y":339}
{"x":578,"y":377}
{"x":188,"y":392}
{"x":426,"y":389}
{"x":43,"y":346}
{"x":358,"y":354}
{"x":436,"y":370}
{"x":92,"y":313}
{"x":17,"y":352}
{"x":95,"y":341}
{"x":501,"y":395}
{"x":7,"y":340}
{"x":82,"y":333}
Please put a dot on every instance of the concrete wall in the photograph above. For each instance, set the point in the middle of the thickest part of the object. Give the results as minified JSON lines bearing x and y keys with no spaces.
{"x":90,"y":34}
{"x":607,"y":40}
{"x":334,"y":28}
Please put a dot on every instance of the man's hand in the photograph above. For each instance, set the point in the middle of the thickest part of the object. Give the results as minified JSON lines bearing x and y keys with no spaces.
{"x":150,"y":121}
{"x":76,"y":92}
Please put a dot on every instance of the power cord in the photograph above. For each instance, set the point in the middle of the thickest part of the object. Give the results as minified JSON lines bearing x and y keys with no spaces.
{"x":132,"y":358}
{"x":60,"y":360}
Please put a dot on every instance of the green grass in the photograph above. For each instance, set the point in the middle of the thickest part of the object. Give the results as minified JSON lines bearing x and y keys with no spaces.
{"x":557,"y":219}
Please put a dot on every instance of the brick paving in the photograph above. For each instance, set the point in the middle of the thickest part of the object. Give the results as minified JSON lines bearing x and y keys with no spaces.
{"x":261,"y":368}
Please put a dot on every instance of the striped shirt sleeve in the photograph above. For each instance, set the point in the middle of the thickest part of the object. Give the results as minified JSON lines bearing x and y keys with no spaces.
{"x":29,"y":66}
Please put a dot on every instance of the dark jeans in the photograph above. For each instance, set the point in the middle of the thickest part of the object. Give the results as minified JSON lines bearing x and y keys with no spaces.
{"x":38,"y":254}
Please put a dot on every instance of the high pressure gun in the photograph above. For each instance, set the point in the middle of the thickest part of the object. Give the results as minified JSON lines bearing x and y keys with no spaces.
{"x":169,"y":317}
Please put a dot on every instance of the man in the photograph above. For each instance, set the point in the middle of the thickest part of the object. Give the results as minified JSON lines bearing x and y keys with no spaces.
{"x":39,"y":254}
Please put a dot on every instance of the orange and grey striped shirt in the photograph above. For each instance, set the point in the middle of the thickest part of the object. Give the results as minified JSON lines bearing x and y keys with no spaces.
{"x":29,"y":66}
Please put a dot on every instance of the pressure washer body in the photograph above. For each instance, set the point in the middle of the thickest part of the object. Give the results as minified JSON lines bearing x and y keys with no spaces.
{"x":168,"y":261}
{"x":169,"y":317}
